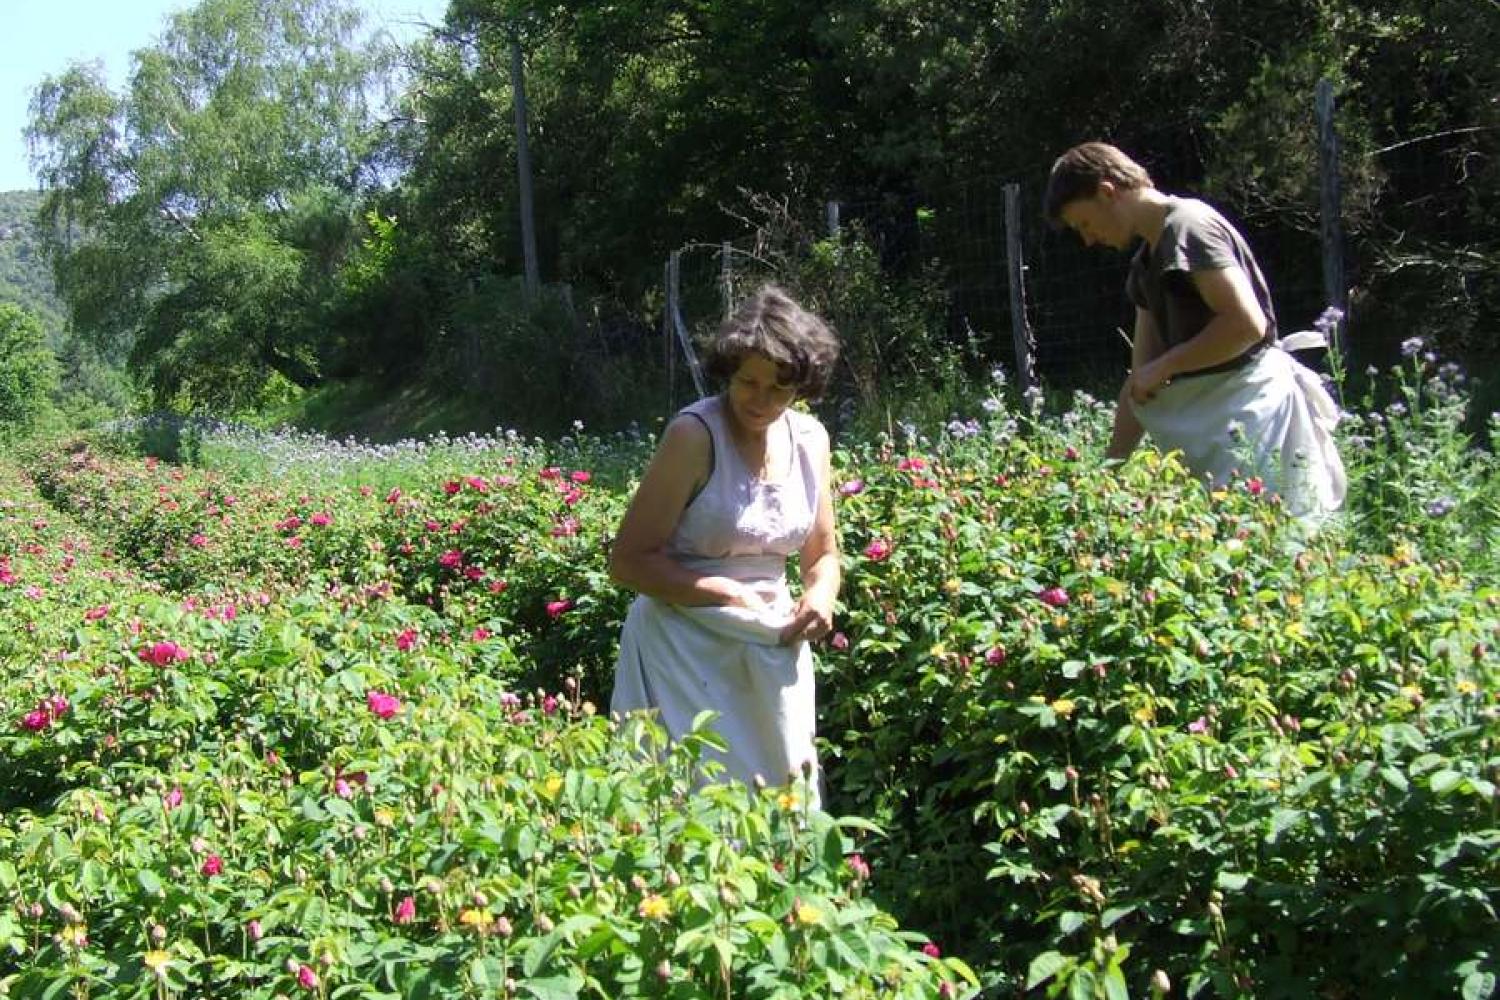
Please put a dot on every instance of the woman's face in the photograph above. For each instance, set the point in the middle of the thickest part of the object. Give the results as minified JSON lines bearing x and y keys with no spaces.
{"x":759,"y":393}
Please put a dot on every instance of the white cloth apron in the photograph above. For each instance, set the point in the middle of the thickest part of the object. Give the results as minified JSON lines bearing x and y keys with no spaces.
{"x":682,"y":660}
{"x":1286,"y":418}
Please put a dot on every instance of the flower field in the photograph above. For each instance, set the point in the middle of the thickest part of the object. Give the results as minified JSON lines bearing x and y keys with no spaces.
{"x":303,"y":718}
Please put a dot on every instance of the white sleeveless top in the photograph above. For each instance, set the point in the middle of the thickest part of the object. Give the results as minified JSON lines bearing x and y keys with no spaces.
{"x":740,"y":525}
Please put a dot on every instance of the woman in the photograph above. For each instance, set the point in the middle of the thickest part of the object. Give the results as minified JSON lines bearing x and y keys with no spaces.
{"x":739,"y":483}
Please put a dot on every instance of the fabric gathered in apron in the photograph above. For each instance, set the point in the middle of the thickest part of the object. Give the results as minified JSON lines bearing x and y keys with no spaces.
{"x":1271,"y":418}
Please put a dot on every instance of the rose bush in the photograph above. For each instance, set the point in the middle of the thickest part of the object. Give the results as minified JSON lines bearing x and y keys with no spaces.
{"x":1111,"y":730}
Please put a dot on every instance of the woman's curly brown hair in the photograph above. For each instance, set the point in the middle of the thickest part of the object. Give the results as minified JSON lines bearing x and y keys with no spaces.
{"x":771,"y":323}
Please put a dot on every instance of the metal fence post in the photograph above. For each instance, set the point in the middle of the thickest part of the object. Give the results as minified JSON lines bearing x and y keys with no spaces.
{"x":1335,"y":287}
{"x":831,"y":214}
{"x":1020,"y":326}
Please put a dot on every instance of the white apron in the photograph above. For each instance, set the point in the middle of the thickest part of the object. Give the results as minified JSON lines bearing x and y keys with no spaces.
{"x":1285,"y":421}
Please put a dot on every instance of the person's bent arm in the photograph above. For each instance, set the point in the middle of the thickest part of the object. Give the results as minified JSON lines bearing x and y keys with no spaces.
{"x":812,"y":618}
{"x":1238,"y":325}
{"x":1145,"y":346}
{"x":639,"y":559}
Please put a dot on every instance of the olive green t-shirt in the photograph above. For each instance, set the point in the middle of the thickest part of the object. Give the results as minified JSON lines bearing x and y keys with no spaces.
{"x":1194,"y":237}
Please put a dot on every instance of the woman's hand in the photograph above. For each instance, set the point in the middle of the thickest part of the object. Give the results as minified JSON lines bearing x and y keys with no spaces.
{"x":812,"y":619}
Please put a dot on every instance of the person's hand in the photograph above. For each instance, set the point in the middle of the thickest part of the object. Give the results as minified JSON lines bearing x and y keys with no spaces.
{"x":812,"y":619}
{"x":1146,"y":381}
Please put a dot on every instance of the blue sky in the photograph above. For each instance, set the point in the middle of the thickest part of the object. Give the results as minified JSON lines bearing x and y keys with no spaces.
{"x":44,"y":36}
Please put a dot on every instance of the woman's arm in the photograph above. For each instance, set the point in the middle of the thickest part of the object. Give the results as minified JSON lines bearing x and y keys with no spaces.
{"x":638,"y":559}
{"x":812,"y":617}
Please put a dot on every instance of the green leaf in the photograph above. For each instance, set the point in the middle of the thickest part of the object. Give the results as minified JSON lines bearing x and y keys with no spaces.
{"x":1479,"y":985}
{"x":553,"y":988}
{"x":833,"y":849}
{"x":1044,"y":966}
{"x":1114,"y":984}
{"x":1081,"y":986}
{"x":149,"y":882}
{"x":1070,"y":921}
{"x":1394,"y":778}
{"x":1444,"y":781}
{"x":1231,"y":881}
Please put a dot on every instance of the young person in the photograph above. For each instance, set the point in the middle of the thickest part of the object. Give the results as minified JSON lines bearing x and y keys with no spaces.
{"x":1207,"y":376}
{"x":739,"y":483}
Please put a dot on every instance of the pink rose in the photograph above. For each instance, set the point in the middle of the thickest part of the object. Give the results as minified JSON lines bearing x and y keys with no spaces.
{"x":1053,"y":597}
{"x":383,"y":705}
{"x":212,"y":865}
{"x":306,"y":977}
{"x":406,"y":911}
{"x":878,"y":550}
{"x":163,"y":654}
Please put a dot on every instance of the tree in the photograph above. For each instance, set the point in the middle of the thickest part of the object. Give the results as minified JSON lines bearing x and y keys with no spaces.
{"x":194,"y":220}
{"x":28,"y":371}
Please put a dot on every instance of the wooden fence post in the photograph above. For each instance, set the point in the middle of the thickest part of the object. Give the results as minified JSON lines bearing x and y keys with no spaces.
{"x":726,"y":277}
{"x":678,"y":327}
{"x":1335,"y":287}
{"x":523,"y":169}
{"x":669,"y":284}
{"x":1020,"y":326}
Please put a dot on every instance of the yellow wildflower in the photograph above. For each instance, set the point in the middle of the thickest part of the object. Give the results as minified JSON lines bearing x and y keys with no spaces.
{"x":1467,"y":687}
{"x":806,"y":914}
{"x":76,"y":935}
{"x":479,"y":919}
{"x":156,"y":960}
{"x":1145,"y":714}
{"x":553,"y":786}
{"x":1064,"y":707}
{"x":655,"y":907}
{"x":385,"y":817}
{"x":788,"y":800}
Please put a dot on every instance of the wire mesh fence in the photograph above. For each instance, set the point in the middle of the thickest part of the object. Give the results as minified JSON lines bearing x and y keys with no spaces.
{"x":1417,"y":245}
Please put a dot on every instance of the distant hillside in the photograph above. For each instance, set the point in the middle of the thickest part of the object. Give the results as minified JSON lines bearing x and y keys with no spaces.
{"x":24,"y":277}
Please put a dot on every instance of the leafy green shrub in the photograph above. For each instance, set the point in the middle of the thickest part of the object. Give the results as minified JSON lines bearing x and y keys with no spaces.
{"x":28,"y":371}
{"x":1169,"y":735}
